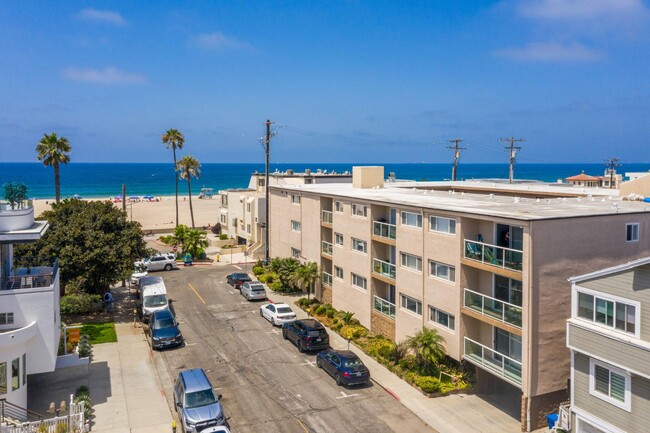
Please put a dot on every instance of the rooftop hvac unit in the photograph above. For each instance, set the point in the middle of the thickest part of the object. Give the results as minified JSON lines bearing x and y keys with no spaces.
{"x":307,"y":171}
{"x":289,"y":172}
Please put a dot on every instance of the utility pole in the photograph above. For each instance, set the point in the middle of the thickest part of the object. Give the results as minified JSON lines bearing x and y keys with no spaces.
{"x":513,"y":152}
{"x":124,"y":197}
{"x":611,"y":165}
{"x":266,"y":143}
{"x":456,"y":150}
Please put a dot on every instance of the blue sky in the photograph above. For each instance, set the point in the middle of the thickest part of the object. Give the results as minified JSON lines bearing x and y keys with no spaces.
{"x":345,"y":81}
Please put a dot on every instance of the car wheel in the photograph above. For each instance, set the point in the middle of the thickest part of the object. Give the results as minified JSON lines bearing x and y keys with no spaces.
{"x":168,"y":267}
{"x":338,"y":379}
{"x":273,"y":322}
{"x":300,"y":348}
{"x":261,"y":314}
{"x":248,"y":298}
{"x":284,"y":334}
{"x":319,"y":363}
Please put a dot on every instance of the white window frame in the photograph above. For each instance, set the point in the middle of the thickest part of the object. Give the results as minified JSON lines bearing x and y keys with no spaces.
{"x":248,"y":228}
{"x":433,"y":223}
{"x":295,"y":199}
{"x":611,"y":298}
{"x":355,"y":278}
{"x":295,"y":253}
{"x":451,"y":270}
{"x":337,"y":270}
{"x":223,"y":219}
{"x":5,"y":318}
{"x":355,"y":210}
{"x":248,"y":207}
{"x":296,"y":226}
{"x":634,"y":239}
{"x":627,"y":403}
{"x":361,"y":242}
{"x":404,"y":217}
{"x":433,"y":316}
{"x":403,"y":297}
{"x":404,"y":261}
{"x":338,"y":236}
{"x":338,"y":206}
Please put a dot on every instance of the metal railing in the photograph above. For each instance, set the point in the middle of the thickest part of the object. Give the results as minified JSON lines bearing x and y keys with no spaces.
{"x":384,"y":230}
{"x":327,"y":279}
{"x":383,"y":268}
{"x":25,"y":204}
{"x":497,"y":363}
{"x":384,"y":307}
{"x":10,"y":412}
{"x":492,"y":307}
{"x":31,"y":272}
{"x":494,"y":255}
{"x":326,"y":216}
{"x":326,"y":248}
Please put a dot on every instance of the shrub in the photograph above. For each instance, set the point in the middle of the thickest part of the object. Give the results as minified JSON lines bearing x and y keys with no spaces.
{"x":330,"y":313}
{"x":409,"y":362}
{"x":303,"y":302}
{"x":223,"y":237}
{"x":78,"y":303}
{"x":337,"y":327}
{"x":270,"y":277}
{"x":262,"y":278}
{"x":353,"y":332}
{"x":320,"y":310}
{"x":82,"y":394}
{"x":379,"y":347}
{"x":335,"y":320}
{"x":258,"y":270}
{"x":276,"y":286}
{"x":84,"y":346}
{"x":428,"y":383}
{"x":399,"y":352}
{"x":346,"y":316}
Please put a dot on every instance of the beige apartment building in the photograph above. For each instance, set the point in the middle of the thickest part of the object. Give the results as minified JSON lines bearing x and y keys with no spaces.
{"x":484,"y":263}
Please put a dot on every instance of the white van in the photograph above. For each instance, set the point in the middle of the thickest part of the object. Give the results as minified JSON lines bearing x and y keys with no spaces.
{"x":153,"y":296}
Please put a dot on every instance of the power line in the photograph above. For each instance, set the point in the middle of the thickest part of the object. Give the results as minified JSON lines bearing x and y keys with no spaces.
{"x":513,"y":152}
{"x":611,"y":164}
{"x":456,"y":150}
{"x":266,"y":144}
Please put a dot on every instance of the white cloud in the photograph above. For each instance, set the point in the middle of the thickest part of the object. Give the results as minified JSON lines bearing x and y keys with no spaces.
{"x":552,"y":52}
{"x":582,"y":9}
{"x":219,"y":41}
{"x":108,"y":75}
{"x":107,"y":17}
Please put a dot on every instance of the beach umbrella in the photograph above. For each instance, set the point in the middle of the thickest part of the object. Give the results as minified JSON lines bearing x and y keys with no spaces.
{"x":134,"y":197}
{"x":147,"y":197}
{"x":76,"y":196}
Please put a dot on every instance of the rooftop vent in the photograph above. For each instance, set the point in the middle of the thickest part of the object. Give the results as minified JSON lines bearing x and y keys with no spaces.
{"x":307,"y":171}
{"x":289,"y":172}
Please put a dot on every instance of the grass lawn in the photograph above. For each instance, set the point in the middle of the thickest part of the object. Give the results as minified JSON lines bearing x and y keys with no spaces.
{"x":103,"y":332}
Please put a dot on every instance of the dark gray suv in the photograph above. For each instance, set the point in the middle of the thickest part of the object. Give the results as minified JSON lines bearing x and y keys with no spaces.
{"x":195,"y":401}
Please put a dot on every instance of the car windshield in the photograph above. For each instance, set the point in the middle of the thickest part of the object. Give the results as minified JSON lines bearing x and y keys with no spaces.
{"x":283,"y":310}
{"x":314,"y":333}
{"x":163,"y":323}
{"x":200,"y":398}
{"x":257,"y":288}
{"x":352,"y":362}
{"x":155,"y":301}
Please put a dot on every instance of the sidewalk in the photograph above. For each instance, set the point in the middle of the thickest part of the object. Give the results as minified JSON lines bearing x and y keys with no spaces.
{"x":461,"y":413}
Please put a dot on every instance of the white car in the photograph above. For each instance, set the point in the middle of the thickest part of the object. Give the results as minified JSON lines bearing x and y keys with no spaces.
{"x":277,"y":314}
{"x":253,"y":290}
{"x":161,"y":262}
{"x":139,"y":273}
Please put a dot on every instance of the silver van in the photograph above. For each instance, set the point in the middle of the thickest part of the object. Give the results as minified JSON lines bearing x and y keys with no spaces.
{"x":197,"y":405}
{"x":153,"y":296}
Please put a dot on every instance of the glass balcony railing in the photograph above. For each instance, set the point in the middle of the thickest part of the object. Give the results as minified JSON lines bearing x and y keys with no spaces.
{"x":501,"y":257}
{"x":384,"y":230}
{"x":327,"y":279}
{"x":31,"y":272}
{"x":383,"y":268}
{"x":494,"y":308}
{"x":488,"y":359}
{"x":326,"y":216}
{"x":326,"y":248}
{"x":384,"y":307}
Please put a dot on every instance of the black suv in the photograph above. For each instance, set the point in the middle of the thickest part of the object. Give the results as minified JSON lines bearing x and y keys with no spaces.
{"x":307,"y":334}
{"x":237,"y":279}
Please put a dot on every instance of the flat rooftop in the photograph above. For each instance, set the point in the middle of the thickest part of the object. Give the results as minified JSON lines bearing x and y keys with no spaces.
{"x":528,"y":201}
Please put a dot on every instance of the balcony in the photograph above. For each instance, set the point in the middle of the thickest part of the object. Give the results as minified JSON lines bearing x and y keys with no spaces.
{"x":493,"y":308}
{"x":36,"y":272}
{"x":326,"y":217}
{"x":384,"y":271}
{"x":494,"y":256}
{"x":384,"y":307}
{"x":384,"y":232}
{"x":509,"y":369}
{"x":327,"y":279}
{"x":326,"y":248}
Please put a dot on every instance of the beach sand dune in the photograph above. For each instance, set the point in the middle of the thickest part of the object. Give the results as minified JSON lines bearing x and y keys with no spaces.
{"x":160,"y":215}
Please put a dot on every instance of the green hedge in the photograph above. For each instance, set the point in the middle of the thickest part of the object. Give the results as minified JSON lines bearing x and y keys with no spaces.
{"x":78,"y":303}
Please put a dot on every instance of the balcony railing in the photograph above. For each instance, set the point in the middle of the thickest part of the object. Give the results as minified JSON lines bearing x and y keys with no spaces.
{"x":501,"y":365}
{"x":502,"y":257}
{"x":384,"y":307}
{"x":326,"y":216}
{"x":327,"y":279}
{"x":383,"y":268}
{"x":35,"y":272}
{"x":326,"y":248}
{"x":384,"y":230}
{"x":25,"y":204}
{"x":494,"y":308}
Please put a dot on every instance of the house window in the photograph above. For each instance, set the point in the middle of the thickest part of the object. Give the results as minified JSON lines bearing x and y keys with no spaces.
{"x":295,"y":198}
{"x":295,"y":252}
{"x":248,"y":207}
{"x":24,"y":369}
{"x":3,"y":377}
{"x":224,"y":200}
{"x":412,"y":219}
{"x":610,"y":384}
{"x":339,"y":272}
{"x":295,"y":226}
{"x":261,"y":182}
{"x":632,"y":232}
{"x":410,"y":304}
{"x":338,"y":239}
{"x":223,"y":218}
{"x":359,"y":245}
{"x":309,"y":180}
{"x":442,"y":225}
{"x":412,"y":262}
{"x":359,"y":281}
{"x":15,"y":374}
{"x":442,"y":318}
{"x":359,"y":210}
{"x":6,"y":318}
{"x":248,"y":228}
{"x":338,"y":206}
{"x":608,"y":312}
{"x":442,"y":271}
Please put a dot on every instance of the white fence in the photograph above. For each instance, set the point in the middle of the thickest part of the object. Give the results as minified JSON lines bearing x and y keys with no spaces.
{"x":74,"y":422}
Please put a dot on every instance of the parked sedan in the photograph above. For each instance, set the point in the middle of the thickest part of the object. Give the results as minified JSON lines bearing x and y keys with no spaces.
{"x":277,"y":314}
{"x":164,"y":330}
{"x":252,"y":290}
{"x":306,"y":334}
{"x":237,"y":279}
{"x":344,"y":366}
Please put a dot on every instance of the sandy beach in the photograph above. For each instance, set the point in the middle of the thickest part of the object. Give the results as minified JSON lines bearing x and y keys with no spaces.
{"x":160,"y":215}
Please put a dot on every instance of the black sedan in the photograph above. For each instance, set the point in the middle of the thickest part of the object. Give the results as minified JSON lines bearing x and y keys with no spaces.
{"x":344,"y":366}
{"x":237,"y":279}
{"x":164,"y":330}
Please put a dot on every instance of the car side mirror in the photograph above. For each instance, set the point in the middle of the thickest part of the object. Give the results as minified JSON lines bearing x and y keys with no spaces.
{"x":179,"y":404}
{"x":219,"y":396}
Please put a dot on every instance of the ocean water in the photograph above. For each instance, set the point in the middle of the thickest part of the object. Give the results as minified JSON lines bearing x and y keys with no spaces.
{"x":93,"y":180}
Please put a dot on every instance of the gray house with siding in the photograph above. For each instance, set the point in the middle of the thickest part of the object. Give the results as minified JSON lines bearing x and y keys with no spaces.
{"x":609,"y":338}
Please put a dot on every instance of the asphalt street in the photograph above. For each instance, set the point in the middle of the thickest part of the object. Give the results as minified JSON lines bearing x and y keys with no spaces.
{"x":267,"y":385}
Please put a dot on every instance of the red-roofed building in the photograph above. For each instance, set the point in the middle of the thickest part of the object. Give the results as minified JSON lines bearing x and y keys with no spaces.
{"x":583,"y":179}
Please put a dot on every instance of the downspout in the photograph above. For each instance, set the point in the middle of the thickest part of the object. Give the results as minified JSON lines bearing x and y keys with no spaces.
{"x":425,"y":309}
{"x":529,"y":267}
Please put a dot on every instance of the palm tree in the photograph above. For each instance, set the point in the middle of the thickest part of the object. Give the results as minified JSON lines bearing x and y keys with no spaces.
{"x":179,"y":236}
{"x":189,"y":167}
{"x":305,"y":276}
{"x":53,"y":151}
{"x":287,"y":270}
{"x":428,"y":348}
{"x":195,"y":242}
{"x":174,"y":138}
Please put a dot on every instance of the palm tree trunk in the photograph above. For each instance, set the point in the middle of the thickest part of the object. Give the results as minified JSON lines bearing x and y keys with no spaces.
{"x":176,"y":179}
{"x":189,"y":191}
{"x":57,"y":182}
